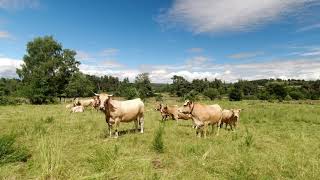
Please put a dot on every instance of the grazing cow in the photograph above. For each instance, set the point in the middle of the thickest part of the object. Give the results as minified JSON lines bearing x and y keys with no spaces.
{"x":86,"y":102}
{"x":121,"y":111}
{"x":172,"y":111}
{"x":159,"y":108}
{"x":230,"y":117}
{"x":77,"y":109}
{"x":203,"y":115}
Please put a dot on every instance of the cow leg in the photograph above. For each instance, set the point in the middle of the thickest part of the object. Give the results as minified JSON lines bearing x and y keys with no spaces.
{"x":219,"y":122}
{"x":117,"y":122}
{"x":141,"y":120}
{"x":110,"y":129}
{"x":136,"y":123}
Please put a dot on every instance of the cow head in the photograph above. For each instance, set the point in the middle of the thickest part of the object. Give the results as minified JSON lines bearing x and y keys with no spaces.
{"x":104,"y":98}
{"x":187,"y":107}
{"x":158,"y":107}
{"x":96,"y":102}
{"x":236,"y":113}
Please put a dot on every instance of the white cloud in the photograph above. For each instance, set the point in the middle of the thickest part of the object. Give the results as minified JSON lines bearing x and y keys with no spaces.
{"x":109,"y":52}
{"x":210,"y":16}
{"x":195,"y":50}
{"x":5,"y":35}
{"x":244,"y":55}
{"x":309,"y":28}
{"x":303,"y":68}
{"x":112,"y":64}
{"x":8,"y":67}
{"x":83,"y":56}
{"x":18,"y":4}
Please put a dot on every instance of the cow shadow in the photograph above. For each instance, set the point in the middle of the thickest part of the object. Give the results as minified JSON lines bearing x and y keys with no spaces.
{"x":129,"y":131}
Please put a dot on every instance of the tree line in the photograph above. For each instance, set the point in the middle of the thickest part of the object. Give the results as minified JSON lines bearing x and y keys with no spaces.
{"x":50,"y":71}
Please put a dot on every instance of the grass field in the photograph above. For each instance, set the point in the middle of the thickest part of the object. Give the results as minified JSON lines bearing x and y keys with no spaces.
{"x":273,"y":141}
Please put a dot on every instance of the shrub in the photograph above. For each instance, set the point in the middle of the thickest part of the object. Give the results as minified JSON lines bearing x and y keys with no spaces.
{"x":192,"y":96}
{"x":235,"y":94}
{"x":10,"y":153}
{"x":211,"y":93}
{"x":288,"y":98}
{"x":296,"y":95}
{"x":159,"y":97}
{"x":157,"y":143}
{"x":130,"y":93}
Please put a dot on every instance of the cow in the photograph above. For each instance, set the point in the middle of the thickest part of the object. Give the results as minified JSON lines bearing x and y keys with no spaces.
{"x":171,"y":111}
{"x":77,"y":109}
{"x":230,"y":117}
{"x":86,"y":102}
{"x":121,"y":111}
{"x":69,"y":106}
{"x":159,"y":108}
{"x":203,"y":115}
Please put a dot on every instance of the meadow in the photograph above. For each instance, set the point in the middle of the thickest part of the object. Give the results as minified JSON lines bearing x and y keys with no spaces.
{"x":273,"y":141}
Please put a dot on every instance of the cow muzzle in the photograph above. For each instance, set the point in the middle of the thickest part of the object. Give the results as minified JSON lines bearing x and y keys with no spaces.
{"x":102,"y":108}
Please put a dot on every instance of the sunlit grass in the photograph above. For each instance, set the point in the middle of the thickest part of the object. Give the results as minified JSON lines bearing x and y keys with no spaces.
{"x":273,"y":141}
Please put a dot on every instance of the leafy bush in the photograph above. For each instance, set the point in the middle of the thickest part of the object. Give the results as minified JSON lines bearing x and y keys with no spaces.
{"x":157,"y":143}
{"x":159,"y":97}
{"x":288,"y":98}
{"x":130,"y":93}
{"x":10,"y":153}
{"x":192,"y":96}
{"x":296,"y":95}
{"x":5,"y":100}
{"x":235,"y":94}
{"x":211,"y":93}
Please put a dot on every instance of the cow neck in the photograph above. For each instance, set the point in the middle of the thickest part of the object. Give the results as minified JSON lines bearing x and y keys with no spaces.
{"x":191,"y":111}
{"x":110,"y":105}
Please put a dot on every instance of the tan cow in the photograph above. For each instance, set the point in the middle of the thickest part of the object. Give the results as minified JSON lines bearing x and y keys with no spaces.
{"x":159,"y":108}
{"x":203,"y":115}
{"x":121,"y":111}
{"x":86,"y":102}
{"x":77,"y":109}
{"x":69,"y":106}
{"x":171,"y":111}
{"x":230,"y":117}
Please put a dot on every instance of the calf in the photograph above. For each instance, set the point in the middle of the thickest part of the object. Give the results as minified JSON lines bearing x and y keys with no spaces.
{"x":230,"y":117}
{"x":77,"y":109}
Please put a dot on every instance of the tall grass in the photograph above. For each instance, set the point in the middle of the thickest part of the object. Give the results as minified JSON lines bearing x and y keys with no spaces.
{"x":272,"y":141}
{"x":10,"y":151}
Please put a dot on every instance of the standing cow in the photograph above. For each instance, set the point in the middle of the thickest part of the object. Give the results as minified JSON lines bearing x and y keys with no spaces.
{"x":121,"y":111}
{"x":230,"y":117}
{"x":203,"y":115}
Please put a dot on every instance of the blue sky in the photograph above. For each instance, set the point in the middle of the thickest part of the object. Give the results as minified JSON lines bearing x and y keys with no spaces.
{"x":228,"y":39}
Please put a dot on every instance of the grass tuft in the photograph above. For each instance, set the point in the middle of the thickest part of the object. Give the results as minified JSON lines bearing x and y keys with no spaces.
{"x":10,"y":153}
{"x":157,"y":143}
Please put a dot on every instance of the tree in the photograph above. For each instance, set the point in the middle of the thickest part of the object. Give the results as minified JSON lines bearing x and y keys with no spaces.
{"x":235,"y":94}
{"x":130,"y":93}
{"x":179,"y":86}
{"x":277,"y":89}
{"x":143,"y":85}
{"x":211,"y":93}
{"x":47,"y":69}
{"x":79,"y":86}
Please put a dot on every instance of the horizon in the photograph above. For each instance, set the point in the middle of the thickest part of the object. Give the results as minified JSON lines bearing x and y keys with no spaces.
{"x":192,"y":39}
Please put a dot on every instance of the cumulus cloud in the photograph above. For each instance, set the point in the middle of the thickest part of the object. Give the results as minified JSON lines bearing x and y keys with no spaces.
{"x":18,"y":4}
{"x":8,"y":67}
{"x":211,"y":16}
{"x":301,"y":68}
{"x":244,"y":55}
{"x":82,"y":56}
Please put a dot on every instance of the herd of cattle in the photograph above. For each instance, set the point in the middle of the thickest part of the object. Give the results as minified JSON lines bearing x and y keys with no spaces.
{"x":133,"y":110}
